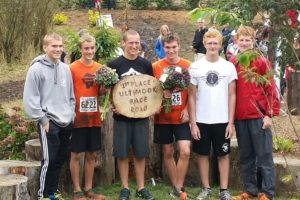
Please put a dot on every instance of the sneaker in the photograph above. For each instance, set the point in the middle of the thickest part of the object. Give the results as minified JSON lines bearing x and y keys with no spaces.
{"x":78,"y":196}
{"x":58,"y":196}
{"x":262,"y":196}
{"x":181,"y":194}
{"x":225,"y":195}
{"x":204,"y":194}
{"x":45,"y":198}
{"x":145,"y":194}
{"x":91,"y":194}
{"x":124,"y":194}
{"x":243,"y":195}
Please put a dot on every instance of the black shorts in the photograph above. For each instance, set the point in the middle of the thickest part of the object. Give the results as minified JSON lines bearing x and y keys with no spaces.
{"x":166,"y":133}
{"x":133,"y":134}
{"x":212,"y":134}
{"x":86,"y":139}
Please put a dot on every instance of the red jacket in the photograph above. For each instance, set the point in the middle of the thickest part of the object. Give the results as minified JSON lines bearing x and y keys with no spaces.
{"x":253,"y":101}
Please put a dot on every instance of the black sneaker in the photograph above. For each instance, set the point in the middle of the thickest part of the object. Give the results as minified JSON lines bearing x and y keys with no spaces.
{"x":145,"y":194}
{"x":124,"y":194}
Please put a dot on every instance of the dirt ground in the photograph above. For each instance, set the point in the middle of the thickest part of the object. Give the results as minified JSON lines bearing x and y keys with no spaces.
{"x":147,"y":23}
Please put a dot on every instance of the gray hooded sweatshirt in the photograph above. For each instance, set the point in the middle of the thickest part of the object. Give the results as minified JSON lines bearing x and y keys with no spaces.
{"x":48,"y":92}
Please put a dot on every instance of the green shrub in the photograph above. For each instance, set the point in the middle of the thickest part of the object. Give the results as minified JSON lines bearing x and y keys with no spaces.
{"x":23,"y":24}
{"x":139,"y":4}
{"x":191,"y":4}
{"x":107,"y":42}
{"x":15,"y":130}
{"x":282,"y":144}
{"x":164,"y":4}
{"x":59,"y":18}
{"x":72,"y":3}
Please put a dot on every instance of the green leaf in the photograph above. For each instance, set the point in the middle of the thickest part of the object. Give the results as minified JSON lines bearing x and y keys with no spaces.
{"x":287,"y":178}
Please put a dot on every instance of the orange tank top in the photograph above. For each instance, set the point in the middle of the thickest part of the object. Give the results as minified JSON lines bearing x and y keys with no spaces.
{"x":179,"y":99}
{"x":86,"y":94}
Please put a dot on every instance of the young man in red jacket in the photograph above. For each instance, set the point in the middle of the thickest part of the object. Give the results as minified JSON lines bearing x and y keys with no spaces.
{"x":256,"y":104}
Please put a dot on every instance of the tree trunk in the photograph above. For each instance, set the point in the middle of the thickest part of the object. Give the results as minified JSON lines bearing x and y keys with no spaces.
{"x":24,"y":168}
{"x":105,"y":162}
{"x":33,"y":150}
{"x":293,"y":92}
{"x":13,"y":187}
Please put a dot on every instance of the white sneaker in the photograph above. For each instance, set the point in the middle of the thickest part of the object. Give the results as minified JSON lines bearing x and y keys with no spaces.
{"x":204,"y":194}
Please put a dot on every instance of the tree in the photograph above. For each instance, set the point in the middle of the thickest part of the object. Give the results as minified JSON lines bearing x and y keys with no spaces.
{"x":236,"y":12}
{"x":22,"y":24}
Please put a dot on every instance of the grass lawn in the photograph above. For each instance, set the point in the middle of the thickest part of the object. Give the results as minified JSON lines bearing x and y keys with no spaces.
{"x":161,"y":192}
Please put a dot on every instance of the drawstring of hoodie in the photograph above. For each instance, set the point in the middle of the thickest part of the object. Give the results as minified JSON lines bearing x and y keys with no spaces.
{"x":55,"y":72}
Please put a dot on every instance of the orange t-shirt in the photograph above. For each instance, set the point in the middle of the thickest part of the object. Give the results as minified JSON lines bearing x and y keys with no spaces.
{"x":179,"y":99}
{"x":86,"y":94}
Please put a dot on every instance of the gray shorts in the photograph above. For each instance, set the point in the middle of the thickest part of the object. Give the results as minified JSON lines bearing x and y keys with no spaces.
{"x":133,"y":134}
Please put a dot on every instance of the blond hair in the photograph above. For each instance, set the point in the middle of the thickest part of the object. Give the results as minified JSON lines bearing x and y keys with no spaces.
{"x":212,"y":34}
{"x":162,"y":28}
{"x":246,"y":31}
{"x":86,"y":38}
{"x":129,"y":32}
{"x":50,"y":37}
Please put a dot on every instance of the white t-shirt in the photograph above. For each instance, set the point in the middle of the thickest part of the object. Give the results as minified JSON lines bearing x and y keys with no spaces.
{"x":212,"y":80}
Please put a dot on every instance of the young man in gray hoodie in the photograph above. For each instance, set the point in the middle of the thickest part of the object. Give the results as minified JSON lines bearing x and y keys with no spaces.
{"x":49,"y":99}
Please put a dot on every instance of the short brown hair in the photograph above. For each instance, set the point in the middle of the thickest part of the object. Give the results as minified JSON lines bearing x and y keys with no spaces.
{"x":129,"y":32}
{"x":170,"y":37}
{"x":51,"y":36}
{"x":212,"y":34}
{"x":246,"y":31}
{"x":86,"y":38}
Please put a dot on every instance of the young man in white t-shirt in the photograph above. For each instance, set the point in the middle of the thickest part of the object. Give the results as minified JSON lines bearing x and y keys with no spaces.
{"x":211,"y":110}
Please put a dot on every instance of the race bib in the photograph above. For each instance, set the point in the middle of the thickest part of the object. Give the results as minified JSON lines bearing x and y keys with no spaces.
{"x":88,"y":104}
{"x":176,"y":99}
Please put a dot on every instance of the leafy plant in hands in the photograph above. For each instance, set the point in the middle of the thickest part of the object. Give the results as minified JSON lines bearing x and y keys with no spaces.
{"x":174,"y":79}
{"x":106,"y":77}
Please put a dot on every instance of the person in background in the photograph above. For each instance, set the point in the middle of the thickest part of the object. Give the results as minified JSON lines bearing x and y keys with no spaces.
{"x":255,"y":107}
{"x":226,"y":36}
{"x":143,"y":48}
{"x":158,"y":47}
{"x":97,"y":4}
{"x":214,"y":27}
{"x":174,"y":125}
{"x":232,"y":48}
{"x":198,"y":47}
{"x":86,"y":135}
{"x":211,"y":110}
{"x":48,"y":99}
{"x":131,"y":132}
{"x":111,"y":4}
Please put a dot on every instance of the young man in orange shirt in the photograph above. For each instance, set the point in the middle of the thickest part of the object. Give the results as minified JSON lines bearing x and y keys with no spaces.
{"x":86,"y":135}
{"x":173,"y":125}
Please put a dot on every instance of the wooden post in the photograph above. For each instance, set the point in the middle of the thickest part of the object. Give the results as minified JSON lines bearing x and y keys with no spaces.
{"x":105,"y":164}
{"x":293,"y":92}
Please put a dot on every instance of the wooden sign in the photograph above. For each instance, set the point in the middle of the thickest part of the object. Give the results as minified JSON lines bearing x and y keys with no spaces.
{"x":137,"y":96}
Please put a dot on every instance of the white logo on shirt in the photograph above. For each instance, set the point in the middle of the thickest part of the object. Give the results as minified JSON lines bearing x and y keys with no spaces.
{"x":130,"y":72}
{"x":225,"y":147}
